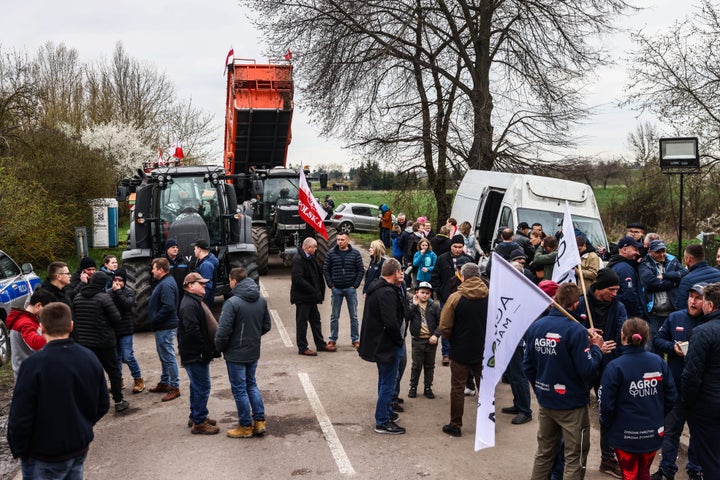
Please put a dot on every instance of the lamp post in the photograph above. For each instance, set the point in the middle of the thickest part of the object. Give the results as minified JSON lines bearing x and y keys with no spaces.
{"x":679,"y":155}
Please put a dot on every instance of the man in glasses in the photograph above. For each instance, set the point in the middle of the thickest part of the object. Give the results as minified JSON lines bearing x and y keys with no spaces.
{"x":57,"y":281}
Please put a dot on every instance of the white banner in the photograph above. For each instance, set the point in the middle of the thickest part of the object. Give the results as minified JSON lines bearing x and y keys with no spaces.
{"x":514,"y":303}
{"x":568,"y":255}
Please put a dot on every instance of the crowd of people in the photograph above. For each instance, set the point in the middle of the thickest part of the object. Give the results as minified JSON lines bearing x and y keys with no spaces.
{"x":639,"y":332}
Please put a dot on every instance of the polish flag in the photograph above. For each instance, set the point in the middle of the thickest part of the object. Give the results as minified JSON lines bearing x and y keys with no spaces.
{"x":229,"y":56}
{"x":161,"y":160}
{"x":560,"y":388}
{"x":288,"y":55}
{"x":177,"y":150}
{"x":309,"y":208}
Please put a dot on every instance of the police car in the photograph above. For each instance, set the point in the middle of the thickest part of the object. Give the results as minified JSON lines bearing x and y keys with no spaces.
{"x":16,"y":285}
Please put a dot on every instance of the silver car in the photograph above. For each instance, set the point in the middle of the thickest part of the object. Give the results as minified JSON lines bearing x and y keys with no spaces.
{"x":357,"y":217}
{"x":16,"y":286}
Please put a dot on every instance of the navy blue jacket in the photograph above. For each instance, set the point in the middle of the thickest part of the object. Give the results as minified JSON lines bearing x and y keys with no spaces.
{"x":676,"y":328}
{"x":616,"y":316}
{"x":701,"y":375}
{"x":162,"y":309}
{"x":560,"y":362}
{"x":243,"y":320}
{"x":636,"y":392}
{"x":343,"y":272}
{"x":60,"y":393}
{"x":700,"y":272}
{"x":207,"y":267}
{"x":648,"y":272}
{"x":630,"y":289}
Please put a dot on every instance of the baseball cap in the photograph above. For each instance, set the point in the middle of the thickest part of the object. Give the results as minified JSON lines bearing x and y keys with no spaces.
{"x":698,"y":288}
{"x":625,"y":241}
{"x":657,"y":245}
{"x":427,"y":285}
{"x":203,"y":244}
{"x":194,"y":277}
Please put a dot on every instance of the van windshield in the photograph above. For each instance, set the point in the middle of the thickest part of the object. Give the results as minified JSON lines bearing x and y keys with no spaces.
{"x":591,"y":227}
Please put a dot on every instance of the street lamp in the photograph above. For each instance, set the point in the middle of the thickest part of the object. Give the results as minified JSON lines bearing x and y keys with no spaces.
{"x":679,"y":156}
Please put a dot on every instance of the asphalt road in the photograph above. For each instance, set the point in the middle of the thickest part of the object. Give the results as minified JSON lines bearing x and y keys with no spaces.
{"x":319,"y":419}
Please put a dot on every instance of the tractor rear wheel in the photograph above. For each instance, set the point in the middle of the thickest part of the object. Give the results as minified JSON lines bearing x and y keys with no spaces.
{"x":324,"y":246}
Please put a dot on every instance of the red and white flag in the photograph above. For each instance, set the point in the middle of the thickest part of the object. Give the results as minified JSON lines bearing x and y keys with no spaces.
{"x":229,"y":56}
{"x":309,"y":208}
{"x":177,"y":150}
{"x":161,"y":160}
{"x":288,"y":55}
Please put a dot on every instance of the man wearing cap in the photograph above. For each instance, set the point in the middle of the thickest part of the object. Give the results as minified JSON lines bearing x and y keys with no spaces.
{"x":196,"y":346}
{"x":307,"y":290}
{"x":442,"y":277}
{"x":206,"y":265}
{"x":669,"y":340}
{"x":163,"y":316}
{"x":701,"y":385}
{"x":423,"y":316}
{"x":698,"y":271}
{"x":625,"y":264}
{"x":178,"y":267}
{"x":608,"y":315}
{"x":660,"y":273}
{"x":521,"y":238}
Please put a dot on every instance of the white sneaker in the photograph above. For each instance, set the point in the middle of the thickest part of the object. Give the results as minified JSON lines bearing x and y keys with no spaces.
{"x":469,"y":392}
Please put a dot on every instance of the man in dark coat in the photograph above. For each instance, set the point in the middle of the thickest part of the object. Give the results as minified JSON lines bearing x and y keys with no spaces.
{"x":60,"y":394}
{"x":625,"y":264}
{"x":699,"y":271}
{"x":196,"y":347}
{"x":57,"y":283}
{"x":96,"y":318}
{"x":307,"y":290}
{"x":383,"y":338}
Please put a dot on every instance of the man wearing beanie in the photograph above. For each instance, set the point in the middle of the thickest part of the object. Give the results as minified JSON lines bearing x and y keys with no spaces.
{"x":178,"y":267}
{"x":608,"y":314}
{"x":81,"y":276}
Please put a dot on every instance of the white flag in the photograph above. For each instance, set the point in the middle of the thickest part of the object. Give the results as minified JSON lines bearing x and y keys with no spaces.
{"x":514,"y":303}
{"x":568,"y":255}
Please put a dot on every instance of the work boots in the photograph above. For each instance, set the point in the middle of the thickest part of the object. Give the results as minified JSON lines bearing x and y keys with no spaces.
{"x":172,"y":394}
{"x":160,"y":388}
{"x":258,"y":427}
{"x":241,"y":432}
{"x":139,"y":385}
{"x":204,"y":428}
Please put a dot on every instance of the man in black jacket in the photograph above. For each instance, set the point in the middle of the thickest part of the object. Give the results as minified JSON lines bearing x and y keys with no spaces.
{"x":306,"y":292}
{"x":60,"y":394}
{"x":196,"y":347}
{"x":343,"y":272}
{"x":96,"y":318}
{"x":383,"y":339}
{"x":124,"y":298}
{"x":58,"y":283}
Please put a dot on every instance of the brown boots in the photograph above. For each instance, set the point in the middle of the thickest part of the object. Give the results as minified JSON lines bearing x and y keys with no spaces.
{"x":256,"y":429}
{"x":160,"y":388}
{"x":172,"y":394}
{"x":204,"y":428}
{"x":139,"y":385}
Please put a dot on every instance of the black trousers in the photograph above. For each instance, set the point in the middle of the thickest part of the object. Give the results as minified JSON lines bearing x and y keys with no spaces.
{"x":108,"y":359}
{"x":308,"y":314}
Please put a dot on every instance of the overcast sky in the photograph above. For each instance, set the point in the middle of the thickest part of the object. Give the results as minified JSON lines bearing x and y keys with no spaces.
{"x":189,"y":39}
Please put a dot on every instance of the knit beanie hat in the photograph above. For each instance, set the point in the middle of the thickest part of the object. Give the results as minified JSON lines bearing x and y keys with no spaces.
{"x":457,"y":239}
{"x":87,"y":262}
{"x":606,"y":277}
{"x":549,"y":287}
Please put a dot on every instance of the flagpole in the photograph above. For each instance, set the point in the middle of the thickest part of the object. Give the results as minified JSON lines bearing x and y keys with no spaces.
{"x":584,"y":292}
{"x":564,"y":312}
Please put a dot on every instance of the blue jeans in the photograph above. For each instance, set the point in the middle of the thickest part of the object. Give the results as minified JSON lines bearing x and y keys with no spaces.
{"x":674,"y":423}
{"x":199,"y":375}
{"x":387,"y":379}
{"x":248,"y":399}
{"x":71,"y":469}
{"x":350,"y":295}
{"x":519,"y":383}
{"x":165,"y":346}
{"x":125,"y":354}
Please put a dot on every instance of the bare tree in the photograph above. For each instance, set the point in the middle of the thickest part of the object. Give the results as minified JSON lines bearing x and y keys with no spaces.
{"x":463,"y":84}
{"x":675,"y":75}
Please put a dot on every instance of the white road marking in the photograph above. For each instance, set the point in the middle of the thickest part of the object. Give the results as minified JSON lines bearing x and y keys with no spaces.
{"x":281,"y":329}
{"x":263,"y":292}
{"x":341,"y":459}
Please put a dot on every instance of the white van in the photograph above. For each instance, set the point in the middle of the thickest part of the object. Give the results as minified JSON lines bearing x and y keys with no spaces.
{"x":494,"y":200}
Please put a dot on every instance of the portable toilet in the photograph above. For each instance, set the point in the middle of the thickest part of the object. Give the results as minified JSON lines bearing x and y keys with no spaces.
{"x":105,"y":222}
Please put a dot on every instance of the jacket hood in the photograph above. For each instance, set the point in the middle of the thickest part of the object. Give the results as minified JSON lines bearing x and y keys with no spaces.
{"x":16,"y":314}
{"x":95,"y":285}
{"x":473,"y":288}
{"x":617,"y":258}
{"x":378,"y":284}
{"x":247,"y":289}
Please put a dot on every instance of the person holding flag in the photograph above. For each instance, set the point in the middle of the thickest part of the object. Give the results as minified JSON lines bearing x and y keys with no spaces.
{"x":568,"y":256}
{"x":559,"y":361}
